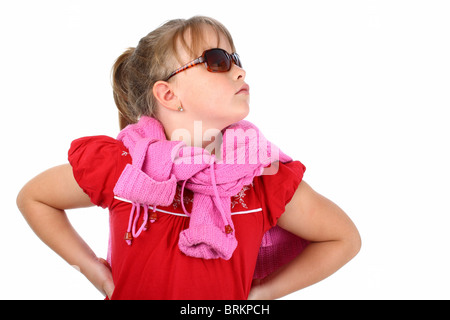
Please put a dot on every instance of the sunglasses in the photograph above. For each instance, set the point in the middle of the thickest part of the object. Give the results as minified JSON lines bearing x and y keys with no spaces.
{"x":216,"y":60}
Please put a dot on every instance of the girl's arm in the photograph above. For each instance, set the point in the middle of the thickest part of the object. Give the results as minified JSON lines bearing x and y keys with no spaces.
{"x":334,"y":241}
{"x":42,"y":202}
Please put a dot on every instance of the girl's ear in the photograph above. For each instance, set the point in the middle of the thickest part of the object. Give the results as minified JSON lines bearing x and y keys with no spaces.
{"x":163,"y":92}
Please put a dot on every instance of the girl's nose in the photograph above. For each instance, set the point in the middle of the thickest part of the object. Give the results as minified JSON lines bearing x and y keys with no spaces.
{"x":238,"y":73}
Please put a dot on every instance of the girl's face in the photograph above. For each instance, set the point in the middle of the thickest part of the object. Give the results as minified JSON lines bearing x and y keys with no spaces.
{"x":216,"y":99}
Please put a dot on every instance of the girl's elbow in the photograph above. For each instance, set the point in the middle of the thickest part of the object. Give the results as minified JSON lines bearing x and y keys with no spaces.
{"x":354,"y":243}
{"x":23,"y":197}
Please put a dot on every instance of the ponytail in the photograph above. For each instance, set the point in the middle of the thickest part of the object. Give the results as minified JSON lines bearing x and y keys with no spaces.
{"x":121,"y":89}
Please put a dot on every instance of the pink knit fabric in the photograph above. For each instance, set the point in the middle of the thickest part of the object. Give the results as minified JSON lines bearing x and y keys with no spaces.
{"x":158,"y":165}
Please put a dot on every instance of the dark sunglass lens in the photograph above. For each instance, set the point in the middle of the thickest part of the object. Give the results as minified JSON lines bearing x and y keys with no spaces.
{"x":217,"y":60}
{"x":237,"y":60}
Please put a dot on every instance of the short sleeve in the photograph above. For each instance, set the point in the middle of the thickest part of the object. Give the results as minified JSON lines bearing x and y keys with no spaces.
{"x":97,"y":163}
{"x":277,"y":190}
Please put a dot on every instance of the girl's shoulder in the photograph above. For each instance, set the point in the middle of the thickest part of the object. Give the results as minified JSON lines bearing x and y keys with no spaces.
{"x":277,"y":186}
{"x":96,"y":144}
{"x":97,"y":162}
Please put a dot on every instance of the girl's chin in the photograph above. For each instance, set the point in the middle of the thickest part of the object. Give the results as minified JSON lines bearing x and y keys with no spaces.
{"x":241,"y":112}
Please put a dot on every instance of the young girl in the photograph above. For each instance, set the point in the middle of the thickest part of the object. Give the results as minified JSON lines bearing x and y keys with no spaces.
{"x":201,"y":205}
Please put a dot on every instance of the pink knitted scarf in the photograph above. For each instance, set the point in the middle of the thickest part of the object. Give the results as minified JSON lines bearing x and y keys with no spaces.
{"x":158,"y":165}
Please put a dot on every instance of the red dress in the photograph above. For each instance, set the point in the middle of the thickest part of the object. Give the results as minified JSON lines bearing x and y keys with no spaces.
{"x":153,"y":267}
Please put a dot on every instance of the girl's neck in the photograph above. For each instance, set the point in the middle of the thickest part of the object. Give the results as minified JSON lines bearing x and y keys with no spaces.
{"x":196,"y":134}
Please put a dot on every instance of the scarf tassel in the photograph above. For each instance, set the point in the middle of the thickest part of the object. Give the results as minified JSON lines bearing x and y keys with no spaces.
{"x":133,"y":221}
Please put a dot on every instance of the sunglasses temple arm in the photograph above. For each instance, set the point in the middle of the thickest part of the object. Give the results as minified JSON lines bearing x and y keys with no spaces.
{"x":191,"y":64}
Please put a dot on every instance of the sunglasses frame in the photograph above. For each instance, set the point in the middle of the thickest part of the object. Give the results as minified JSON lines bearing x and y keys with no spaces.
{"x":233,"y":58}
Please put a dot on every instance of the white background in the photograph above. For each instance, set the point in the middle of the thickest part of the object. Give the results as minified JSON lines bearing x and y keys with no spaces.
{"x":356,"y":90}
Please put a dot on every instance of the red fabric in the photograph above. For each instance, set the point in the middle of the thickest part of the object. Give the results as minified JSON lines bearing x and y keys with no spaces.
{"x":153,"y":267}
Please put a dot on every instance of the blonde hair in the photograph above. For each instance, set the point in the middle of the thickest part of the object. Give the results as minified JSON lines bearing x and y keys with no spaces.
{"x":136,"y":71}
